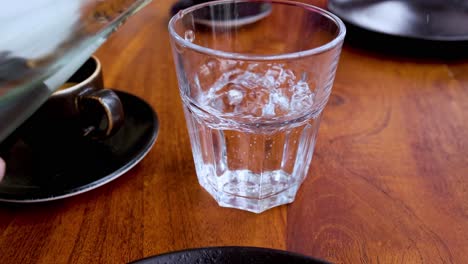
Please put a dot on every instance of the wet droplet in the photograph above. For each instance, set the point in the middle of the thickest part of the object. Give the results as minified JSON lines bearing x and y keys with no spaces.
{"x":189,"y":35}
{"x":234,"y":96}
{"x":100,"y":18}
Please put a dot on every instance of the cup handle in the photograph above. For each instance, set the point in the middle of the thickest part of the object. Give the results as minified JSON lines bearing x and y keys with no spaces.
{"x":107,"y":103}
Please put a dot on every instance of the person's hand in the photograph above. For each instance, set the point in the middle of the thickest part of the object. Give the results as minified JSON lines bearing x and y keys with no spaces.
{"x":2,"y":169}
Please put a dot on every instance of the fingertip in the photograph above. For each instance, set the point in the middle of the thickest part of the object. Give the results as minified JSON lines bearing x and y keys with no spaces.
{"x":2,"y":169}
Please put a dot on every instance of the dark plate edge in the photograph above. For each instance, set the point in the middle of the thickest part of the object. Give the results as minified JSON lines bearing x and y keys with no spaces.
{"x":147,"y":260}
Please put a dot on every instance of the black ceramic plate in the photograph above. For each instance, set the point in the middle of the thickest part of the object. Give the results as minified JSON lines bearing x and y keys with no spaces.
{"x":442,"y":20}
{"x":230,"y":255}
{"x":36,"y":175}
{"x":435,"y":26}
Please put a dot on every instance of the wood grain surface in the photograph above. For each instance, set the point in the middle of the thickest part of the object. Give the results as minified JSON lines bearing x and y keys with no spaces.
{"x":388,"y":183}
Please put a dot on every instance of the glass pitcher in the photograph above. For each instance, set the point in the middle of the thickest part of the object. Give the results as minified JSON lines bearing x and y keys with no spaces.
{"x":43,"y":42}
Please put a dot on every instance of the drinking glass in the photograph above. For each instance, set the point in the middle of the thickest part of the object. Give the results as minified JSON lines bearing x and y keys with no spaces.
{"x":254,"y":77}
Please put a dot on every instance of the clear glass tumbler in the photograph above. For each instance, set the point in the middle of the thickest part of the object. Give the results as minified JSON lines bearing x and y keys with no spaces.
{"x":254,"y":77}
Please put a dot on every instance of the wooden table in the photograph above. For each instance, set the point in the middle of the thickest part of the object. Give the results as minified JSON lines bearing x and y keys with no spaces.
{"x":388,"y":183}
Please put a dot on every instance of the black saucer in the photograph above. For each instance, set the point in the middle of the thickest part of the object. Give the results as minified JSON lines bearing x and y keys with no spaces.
{"x":232,"y":15}
{"x":230,"y":255}
{"x":225,"y":15}
{"x":56,"y":172}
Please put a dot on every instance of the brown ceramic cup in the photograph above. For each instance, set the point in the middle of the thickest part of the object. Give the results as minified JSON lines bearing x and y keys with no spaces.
{"x":82,"y":107}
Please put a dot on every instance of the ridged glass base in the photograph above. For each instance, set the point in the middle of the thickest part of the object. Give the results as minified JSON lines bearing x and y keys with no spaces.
{"x":241,"y":190}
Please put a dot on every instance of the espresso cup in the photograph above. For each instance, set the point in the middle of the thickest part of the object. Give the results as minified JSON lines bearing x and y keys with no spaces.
{"x":81,"y":107}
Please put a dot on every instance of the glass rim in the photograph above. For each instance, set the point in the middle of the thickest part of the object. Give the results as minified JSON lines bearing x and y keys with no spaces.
{"x":240,"y":56}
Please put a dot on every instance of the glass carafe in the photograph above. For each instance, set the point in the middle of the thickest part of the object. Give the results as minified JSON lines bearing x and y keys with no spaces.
{"x":43,"y":42}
